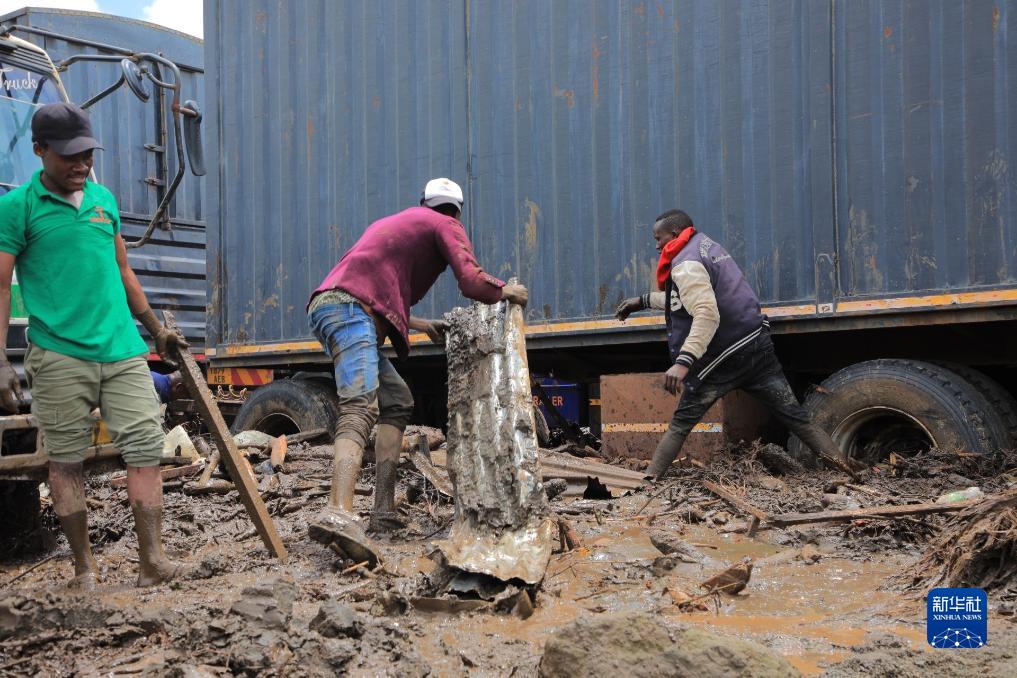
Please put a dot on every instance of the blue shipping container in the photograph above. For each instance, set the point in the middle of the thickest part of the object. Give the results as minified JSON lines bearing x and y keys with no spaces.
{"x":853,"y":156}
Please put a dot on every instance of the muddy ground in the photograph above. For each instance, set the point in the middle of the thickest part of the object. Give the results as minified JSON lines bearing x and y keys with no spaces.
{"x":824,"y":597}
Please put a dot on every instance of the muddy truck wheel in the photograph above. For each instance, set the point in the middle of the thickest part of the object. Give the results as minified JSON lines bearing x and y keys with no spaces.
{"x":1004,"y":404}
{"x":873,"y":408}
{"x":290,"y":406}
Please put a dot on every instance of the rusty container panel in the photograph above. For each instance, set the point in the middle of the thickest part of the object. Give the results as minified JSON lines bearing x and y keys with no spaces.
{"x":636,"y":410}
{"x":926,"y":115}
{"x":569,"y":125}
{"x":837,"y":149}
{"x":328,"y":116}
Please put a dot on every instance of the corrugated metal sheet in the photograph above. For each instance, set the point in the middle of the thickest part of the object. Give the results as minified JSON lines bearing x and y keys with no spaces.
{"x":172,"y":266}
{"x":927,"y":135}
{"x":590,"y":118}
{"x":572,"y":124}
{"x":330,"y":115}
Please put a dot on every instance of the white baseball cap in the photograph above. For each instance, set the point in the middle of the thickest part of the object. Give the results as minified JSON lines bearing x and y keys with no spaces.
{"x":442,"y":192}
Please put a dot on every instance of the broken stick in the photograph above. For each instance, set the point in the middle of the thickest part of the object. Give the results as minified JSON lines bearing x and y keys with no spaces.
{"x":568,"y":536}
{"x":872,"y":512}
{"x":206,"y":475}
{"x":739,"y":503}
{"x":239,"y":470}
{"x":165,"y":474}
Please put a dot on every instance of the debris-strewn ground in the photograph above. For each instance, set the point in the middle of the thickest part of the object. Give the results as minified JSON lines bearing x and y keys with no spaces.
{"x":814,"y":594}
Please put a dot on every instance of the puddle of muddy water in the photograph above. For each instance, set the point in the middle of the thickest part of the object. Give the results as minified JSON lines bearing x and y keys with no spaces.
{"x":811,"y":613}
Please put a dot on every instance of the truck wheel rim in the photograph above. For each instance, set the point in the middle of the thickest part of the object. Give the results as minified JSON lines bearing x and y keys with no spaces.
{"x":872,"y":433}
{"x":277,"y":424}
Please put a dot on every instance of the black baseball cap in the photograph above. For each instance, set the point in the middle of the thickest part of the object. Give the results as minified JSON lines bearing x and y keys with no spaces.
{"x":64,"y":127}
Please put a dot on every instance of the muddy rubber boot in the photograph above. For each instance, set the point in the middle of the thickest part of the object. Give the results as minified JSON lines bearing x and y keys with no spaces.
{"x":387,"y":448}
{"x":349,"y":457}
{"x":667,"y":449}
{"x":86,"y":569}
{"x":337,"y":524}
{"x":153,"y":565}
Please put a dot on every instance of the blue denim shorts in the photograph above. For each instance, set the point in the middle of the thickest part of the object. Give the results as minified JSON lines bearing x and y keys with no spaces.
{"x":350,"y":339}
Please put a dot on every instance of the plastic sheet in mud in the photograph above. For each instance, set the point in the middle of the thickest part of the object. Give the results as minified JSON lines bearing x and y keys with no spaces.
{"x":501,"y":526}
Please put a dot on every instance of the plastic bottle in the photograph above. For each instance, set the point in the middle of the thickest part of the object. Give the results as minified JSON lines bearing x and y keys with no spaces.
{"x":961,"y":495}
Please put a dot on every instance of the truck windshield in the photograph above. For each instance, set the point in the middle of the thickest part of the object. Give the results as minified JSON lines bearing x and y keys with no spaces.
{"x":21,"y":92}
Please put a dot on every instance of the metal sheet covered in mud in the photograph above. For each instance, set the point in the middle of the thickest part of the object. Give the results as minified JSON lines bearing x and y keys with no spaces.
{"x":501,"y":526}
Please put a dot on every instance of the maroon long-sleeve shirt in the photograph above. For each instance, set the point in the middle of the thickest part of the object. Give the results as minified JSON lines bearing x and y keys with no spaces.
{"x":399,"y":258}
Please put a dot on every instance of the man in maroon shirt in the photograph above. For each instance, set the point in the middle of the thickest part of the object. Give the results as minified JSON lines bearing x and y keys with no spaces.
{"x":365,"y":299}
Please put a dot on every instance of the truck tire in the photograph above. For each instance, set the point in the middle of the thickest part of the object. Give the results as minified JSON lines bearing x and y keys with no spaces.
{"x":1004,"y":404}
{"x":876,"y":407}
{"x":290,"y":406}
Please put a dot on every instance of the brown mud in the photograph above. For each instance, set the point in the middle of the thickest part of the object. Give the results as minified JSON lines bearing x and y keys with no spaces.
{"x":819,"y":596}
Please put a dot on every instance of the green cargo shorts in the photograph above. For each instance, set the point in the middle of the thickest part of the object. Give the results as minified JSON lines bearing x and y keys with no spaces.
{"x":65,"y":390}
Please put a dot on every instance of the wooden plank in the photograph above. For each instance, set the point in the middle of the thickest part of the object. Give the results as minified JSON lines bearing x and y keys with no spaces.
{"x":239,"y":470}
{"x":736,"y":501}
{"x":165,"y":474}
{"x":871,"y":512}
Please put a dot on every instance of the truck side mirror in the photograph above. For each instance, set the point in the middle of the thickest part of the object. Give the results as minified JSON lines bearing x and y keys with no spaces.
{"x":135,"y":79}
{"x":192,"y":139}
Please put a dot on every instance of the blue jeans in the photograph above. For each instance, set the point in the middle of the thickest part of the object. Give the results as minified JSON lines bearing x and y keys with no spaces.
{"x":370,"y":390}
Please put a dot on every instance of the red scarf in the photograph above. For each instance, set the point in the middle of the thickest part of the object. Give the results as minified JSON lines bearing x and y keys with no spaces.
{"x":668,"y":254}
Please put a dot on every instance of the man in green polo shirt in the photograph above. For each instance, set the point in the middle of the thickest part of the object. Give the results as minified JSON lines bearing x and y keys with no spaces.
{"x":62,"y":233}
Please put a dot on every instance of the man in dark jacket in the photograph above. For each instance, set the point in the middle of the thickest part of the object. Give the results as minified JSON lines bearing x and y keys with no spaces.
{"x":718,"y":337}
{"x":365,"y":299}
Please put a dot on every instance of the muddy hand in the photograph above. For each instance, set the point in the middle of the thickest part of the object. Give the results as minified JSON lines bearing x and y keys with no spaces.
{"x":628,"y":307}
{"x":516,"y":294}
{"x":436,"y":330}
{"x":674,"y":377}
{"x":10,"y":387}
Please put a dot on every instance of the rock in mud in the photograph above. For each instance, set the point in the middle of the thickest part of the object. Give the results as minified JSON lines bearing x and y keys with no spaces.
{"x":839,"y":502}
{"x":269,"y":605}
{"x":337,"y":620}
{"x":640,"y":645}
{"x":25,"y":615}
{"x":555,"y":487}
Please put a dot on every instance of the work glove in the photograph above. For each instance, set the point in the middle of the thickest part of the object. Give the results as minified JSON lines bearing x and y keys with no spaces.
{"x":167,"y":341}
{"x":515,"y":294}
{"x":10,"y":387}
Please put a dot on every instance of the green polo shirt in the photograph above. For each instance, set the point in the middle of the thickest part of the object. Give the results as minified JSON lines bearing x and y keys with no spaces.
{"x":67,"y":268}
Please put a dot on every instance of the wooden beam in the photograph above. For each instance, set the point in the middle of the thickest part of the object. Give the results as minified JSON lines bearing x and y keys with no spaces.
{"x":239,"y":470}
{"x":872,"y":512}
{"x":165,"y":474}
{"x":736,"y":501}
